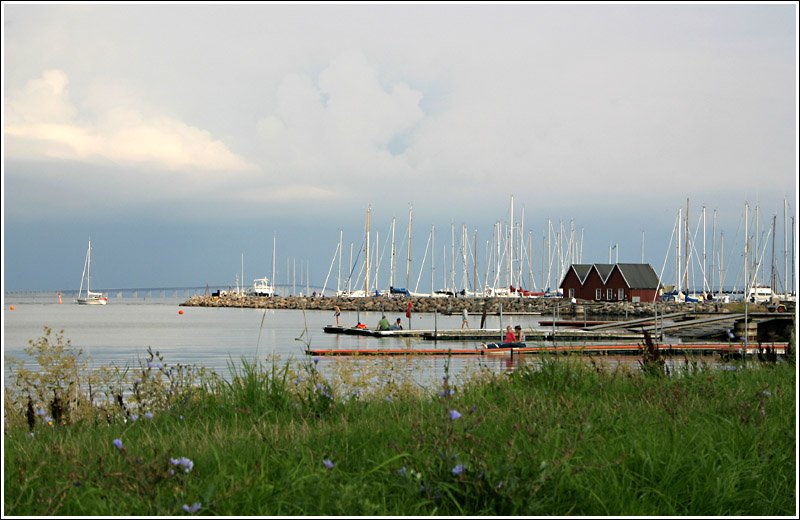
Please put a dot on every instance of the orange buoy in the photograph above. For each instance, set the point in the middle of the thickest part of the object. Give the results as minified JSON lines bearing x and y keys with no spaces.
{"x":11,"y":308}
{"x":180,"y":311}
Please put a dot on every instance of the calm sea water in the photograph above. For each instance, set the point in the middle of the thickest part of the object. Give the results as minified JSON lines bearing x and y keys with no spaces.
{"x":120,"y":333}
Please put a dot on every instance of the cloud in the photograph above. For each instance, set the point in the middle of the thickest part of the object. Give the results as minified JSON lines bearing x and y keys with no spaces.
{"x":42,"y":122}
{"x":344,"y":120}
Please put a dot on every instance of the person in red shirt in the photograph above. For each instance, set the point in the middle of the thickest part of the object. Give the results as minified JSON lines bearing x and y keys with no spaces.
{"x":510,"y":337}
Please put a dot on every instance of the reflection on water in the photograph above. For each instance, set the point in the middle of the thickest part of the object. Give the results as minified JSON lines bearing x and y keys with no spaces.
{"x":120,"y":333}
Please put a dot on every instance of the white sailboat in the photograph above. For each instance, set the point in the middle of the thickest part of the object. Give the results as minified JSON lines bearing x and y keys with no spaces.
{"x":89,"y":297}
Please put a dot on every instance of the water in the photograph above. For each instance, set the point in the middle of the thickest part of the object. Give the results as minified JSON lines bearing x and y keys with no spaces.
{"x":121,"y":332}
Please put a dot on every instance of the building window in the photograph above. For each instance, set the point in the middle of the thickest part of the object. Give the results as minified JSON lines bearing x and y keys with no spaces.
{"x":620,"y":294}
{"x":609,"y":294}
{"x":598,"y":294}
{"x":571,"y":293}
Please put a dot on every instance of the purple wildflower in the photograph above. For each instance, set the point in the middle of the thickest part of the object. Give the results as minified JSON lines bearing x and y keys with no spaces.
{"x":183,"y":462}
{"x":134,"y":417}
{"x":192,"y":508}
{"x":148,"y":416}
{"x":454,"y":414}
{"x":118,"y":443}
{"x":328,"y":464}
{"x":40,"y":411}
{"x":316,"y":359}
{"x":458,"y":470}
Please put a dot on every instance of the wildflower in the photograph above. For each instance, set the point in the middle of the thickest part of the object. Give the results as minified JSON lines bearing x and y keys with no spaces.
{"x":328,"y":464}
{"x":316,"y":359}
{"x":118,"y":443}
{"x":134,"y":417}
{"x":48,"y":420}
{"x":183,"y":462}
{"x":40,"y":411}
{"x":766,"y":393}
{"x":148,"y":416}
{"x":454,"y":414}
{"x":458,"y":470}
{"x":192,"y":508}
{"x":402,"y":471}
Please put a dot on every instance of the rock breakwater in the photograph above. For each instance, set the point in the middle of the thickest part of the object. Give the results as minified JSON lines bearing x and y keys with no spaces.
{"x":491,"y":306}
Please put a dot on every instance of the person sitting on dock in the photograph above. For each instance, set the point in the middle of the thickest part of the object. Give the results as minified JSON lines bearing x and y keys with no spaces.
{"x":510,"y":337}
{"x":518,"y":333}
{"x":360,"y":325}
{"x":396,"y":325}
{"x":383,"y":324}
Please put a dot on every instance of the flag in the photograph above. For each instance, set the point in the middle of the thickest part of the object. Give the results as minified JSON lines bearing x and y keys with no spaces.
{"x":408,"y":310}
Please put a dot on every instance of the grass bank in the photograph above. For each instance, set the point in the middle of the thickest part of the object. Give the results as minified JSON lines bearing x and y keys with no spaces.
{"x":563,"y":437}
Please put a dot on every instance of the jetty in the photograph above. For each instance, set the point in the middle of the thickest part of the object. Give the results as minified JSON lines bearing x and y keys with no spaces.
{"x":725,"y":350}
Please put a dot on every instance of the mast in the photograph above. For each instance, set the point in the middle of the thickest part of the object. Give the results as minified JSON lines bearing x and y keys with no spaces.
{"x":366,"y":253}
{"x":433,"y":258}
{"x":339,"y":278}
{"x":705,"y":264}
{"x":273,"y":263}
{"x":772,"y":280}
{"x":89,"y":269}
{"x":475,"y":263}
{"x":713,"y":251}
{"x":686,"y":250}
{"x":785,"y":259}
{"x":408,"y":264}
{"x":746,"y":280}
{"x":392,"y":261}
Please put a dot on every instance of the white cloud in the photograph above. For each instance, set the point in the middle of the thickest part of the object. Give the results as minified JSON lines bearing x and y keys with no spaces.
{"x":343,"y":121}
{"x":42,"y":122}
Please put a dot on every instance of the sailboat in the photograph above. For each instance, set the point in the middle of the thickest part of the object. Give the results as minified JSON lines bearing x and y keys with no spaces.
{"x":89,"y":297}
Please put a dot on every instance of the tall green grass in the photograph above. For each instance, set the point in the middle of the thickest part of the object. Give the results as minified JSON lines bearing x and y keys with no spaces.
{"x":561,"y":437}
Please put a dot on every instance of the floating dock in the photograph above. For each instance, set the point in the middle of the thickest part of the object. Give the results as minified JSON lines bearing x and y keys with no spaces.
{"x":487,"y":334}
{"x":724,"y":349}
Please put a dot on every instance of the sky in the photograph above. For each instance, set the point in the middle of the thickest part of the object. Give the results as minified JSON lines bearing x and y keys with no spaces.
{"x":185,"y":140}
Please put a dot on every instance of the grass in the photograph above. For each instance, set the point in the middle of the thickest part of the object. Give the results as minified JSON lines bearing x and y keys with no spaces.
{"x":559,"y":438}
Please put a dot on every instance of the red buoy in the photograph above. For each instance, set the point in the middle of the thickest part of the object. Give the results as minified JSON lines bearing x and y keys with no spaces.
{"x":180,"y":311}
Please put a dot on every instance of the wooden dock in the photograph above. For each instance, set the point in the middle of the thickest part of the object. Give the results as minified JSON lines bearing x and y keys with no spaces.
{"x":487,"y":334}
{"x":677,"y":349}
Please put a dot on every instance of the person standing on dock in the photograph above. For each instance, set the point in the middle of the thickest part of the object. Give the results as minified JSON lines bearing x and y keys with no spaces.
{"x":464,"y":318}
{"x":336,"y":314}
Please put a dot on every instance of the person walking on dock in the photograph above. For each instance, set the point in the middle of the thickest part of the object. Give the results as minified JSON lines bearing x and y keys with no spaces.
{"x":464,"y":318}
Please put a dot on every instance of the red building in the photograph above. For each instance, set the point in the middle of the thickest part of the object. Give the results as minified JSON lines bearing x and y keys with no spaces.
{"x":611,"y":282}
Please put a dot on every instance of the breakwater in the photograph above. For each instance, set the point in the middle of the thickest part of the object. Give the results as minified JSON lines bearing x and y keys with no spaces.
{"x":474,"y":306}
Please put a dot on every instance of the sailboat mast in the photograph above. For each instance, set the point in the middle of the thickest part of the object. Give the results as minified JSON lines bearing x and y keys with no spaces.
{"x":366,"y":254}
{"x":339,"y":278}
{"x":392,"y":260}
{"x":273,"y":262}
{"x":408,"y":264}
{"x":433,"y":257}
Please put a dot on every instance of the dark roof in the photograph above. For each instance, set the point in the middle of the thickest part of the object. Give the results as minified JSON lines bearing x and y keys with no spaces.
{"x":581,"y":270}
{"x":636,"y":276}
{"x":604,"y":270}
{"x":639,"y":276}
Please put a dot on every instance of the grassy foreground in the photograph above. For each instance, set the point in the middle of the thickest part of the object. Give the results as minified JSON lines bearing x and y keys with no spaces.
{"x":564,"y":437}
